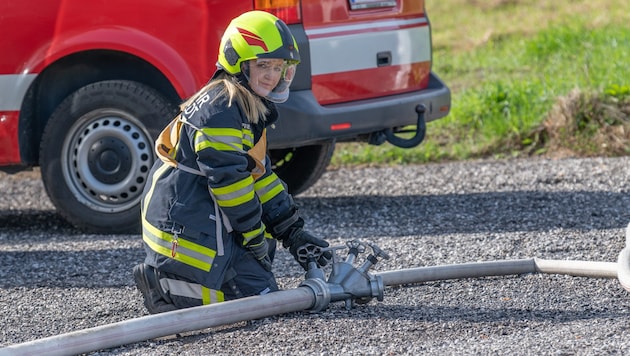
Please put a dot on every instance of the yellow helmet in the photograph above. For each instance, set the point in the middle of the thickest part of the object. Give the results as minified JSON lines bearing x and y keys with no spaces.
{"x":256,"y":34}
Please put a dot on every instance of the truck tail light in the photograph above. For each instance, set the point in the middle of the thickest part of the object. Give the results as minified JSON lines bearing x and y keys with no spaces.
{"x":286,"y":10}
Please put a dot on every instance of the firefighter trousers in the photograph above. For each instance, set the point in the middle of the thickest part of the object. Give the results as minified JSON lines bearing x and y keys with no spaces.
{"x":245,"y":277}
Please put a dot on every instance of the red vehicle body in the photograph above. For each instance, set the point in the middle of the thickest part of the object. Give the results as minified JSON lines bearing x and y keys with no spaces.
{"x":85,"y":87}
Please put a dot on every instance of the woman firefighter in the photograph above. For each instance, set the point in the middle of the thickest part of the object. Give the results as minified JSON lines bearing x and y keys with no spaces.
{"x":213,"y":208}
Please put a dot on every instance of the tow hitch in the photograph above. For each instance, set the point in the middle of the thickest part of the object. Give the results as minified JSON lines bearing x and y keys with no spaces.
{"x":388,"y":135}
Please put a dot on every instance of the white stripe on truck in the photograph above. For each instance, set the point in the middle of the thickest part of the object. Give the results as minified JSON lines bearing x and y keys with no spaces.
{"x":12,"y":90}
{"x":354,"y":47}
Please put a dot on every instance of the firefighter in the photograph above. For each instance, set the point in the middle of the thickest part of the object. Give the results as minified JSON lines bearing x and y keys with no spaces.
{"x":213,"y":209}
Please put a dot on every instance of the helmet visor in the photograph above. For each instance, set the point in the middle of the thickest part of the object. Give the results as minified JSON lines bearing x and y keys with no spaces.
{"x":270,"y":78}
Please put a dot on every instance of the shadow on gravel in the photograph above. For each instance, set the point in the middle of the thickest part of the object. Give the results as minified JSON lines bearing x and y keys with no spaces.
{"x":69,"y":269}
{"x":439,"y":314}
{"x":35,"y":220}
{"x":445,"y":314}
{"x":498,"y":212}
{"x":416,"y":214}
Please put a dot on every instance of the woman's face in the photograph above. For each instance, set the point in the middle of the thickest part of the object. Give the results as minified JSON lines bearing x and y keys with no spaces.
{"x":264,"y":74}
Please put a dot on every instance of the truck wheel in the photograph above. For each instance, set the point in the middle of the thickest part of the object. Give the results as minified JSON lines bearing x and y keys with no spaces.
{"x":301,"y":167}
{"x":97,"y":150}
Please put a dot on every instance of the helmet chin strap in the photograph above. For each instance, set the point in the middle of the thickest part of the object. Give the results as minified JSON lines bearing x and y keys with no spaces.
{"x":243,"y":77}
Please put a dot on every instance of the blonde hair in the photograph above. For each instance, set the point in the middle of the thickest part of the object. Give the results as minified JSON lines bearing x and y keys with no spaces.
{"x":250,"y":103}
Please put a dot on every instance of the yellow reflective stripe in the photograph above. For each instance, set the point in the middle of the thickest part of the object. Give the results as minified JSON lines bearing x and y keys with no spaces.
{"x":248,"y":236}
{"x":219,"y":146}
{"x":231,"y":140}
{"x":271,"y":193}
{"x":205,"y":295}
{"x":211,"y":296}
{"x":268,"y":187}
{"x":222,"y":131}
{"x":248,"y":138}
{"x":187,"y":252}
{"x":235,"y":194}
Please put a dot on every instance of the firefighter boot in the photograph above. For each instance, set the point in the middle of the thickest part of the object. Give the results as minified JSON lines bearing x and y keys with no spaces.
{"x":148,"y":284}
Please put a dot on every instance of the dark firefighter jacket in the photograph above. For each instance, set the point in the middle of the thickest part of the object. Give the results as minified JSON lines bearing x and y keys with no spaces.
{"x":182,"y":233}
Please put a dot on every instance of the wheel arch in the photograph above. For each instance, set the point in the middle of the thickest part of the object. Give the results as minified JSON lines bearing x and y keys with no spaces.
{"x":72,"y":72}
{"x":301,"y":167}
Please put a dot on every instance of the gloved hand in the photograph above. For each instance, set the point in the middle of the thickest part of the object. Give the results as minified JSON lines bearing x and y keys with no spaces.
{"x":259,"y":247}
{"x":288,"y":228}
{"x":296,"y":238}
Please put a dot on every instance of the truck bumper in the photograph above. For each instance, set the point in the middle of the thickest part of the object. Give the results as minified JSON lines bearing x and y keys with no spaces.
{"x":303,"y":121}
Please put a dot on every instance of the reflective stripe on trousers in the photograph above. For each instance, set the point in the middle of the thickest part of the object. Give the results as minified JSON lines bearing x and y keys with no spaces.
{"x":178,"y":248}
{"x":172,"y":246}
{"x":191,"y":290}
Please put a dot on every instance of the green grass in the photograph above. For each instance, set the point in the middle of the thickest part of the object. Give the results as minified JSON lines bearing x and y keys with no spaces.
{"x":508,"y":64}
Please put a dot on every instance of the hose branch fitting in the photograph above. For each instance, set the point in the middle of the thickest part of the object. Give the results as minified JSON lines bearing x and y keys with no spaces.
{"x":346,"y":282}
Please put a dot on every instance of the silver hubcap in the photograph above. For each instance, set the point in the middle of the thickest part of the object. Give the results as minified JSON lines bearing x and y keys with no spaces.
{"x":107,"y":160}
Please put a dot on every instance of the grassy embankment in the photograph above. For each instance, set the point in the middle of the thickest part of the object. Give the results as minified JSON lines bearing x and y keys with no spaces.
{"x":527,"y":78}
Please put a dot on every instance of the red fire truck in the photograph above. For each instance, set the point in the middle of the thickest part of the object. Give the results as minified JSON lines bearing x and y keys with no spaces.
{"x":85,"y":87}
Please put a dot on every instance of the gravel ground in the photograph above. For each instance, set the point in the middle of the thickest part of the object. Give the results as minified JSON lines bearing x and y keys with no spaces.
{"x":54,"y":279}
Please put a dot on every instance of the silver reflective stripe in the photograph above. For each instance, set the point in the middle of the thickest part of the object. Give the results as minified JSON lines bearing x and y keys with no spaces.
{"x":13,"y":88}
{"x":248,"y":137}
{"x":188,"y":290}
{"x":232,"y":141}
{"x":235,"y":194}
{"x":266,"y":189}
{"x":181,"y":288}
{"x":235,"y":142}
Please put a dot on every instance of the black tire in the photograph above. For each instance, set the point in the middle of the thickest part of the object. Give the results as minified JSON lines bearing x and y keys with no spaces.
{"x":301,"y":167}
{"x":97,"y":150}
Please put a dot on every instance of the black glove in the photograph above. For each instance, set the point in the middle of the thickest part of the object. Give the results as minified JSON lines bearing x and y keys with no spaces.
{"x":288,"y":228}
{"x":259,"y":247}
{"x":297,"y":238}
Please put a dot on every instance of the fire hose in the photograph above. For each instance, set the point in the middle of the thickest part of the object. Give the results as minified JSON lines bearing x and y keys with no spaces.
{"x":349,"y":282}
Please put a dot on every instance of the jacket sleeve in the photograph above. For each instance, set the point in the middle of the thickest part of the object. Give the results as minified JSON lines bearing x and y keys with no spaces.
{"x":219,"y":145}
{"x":272,"y":193}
